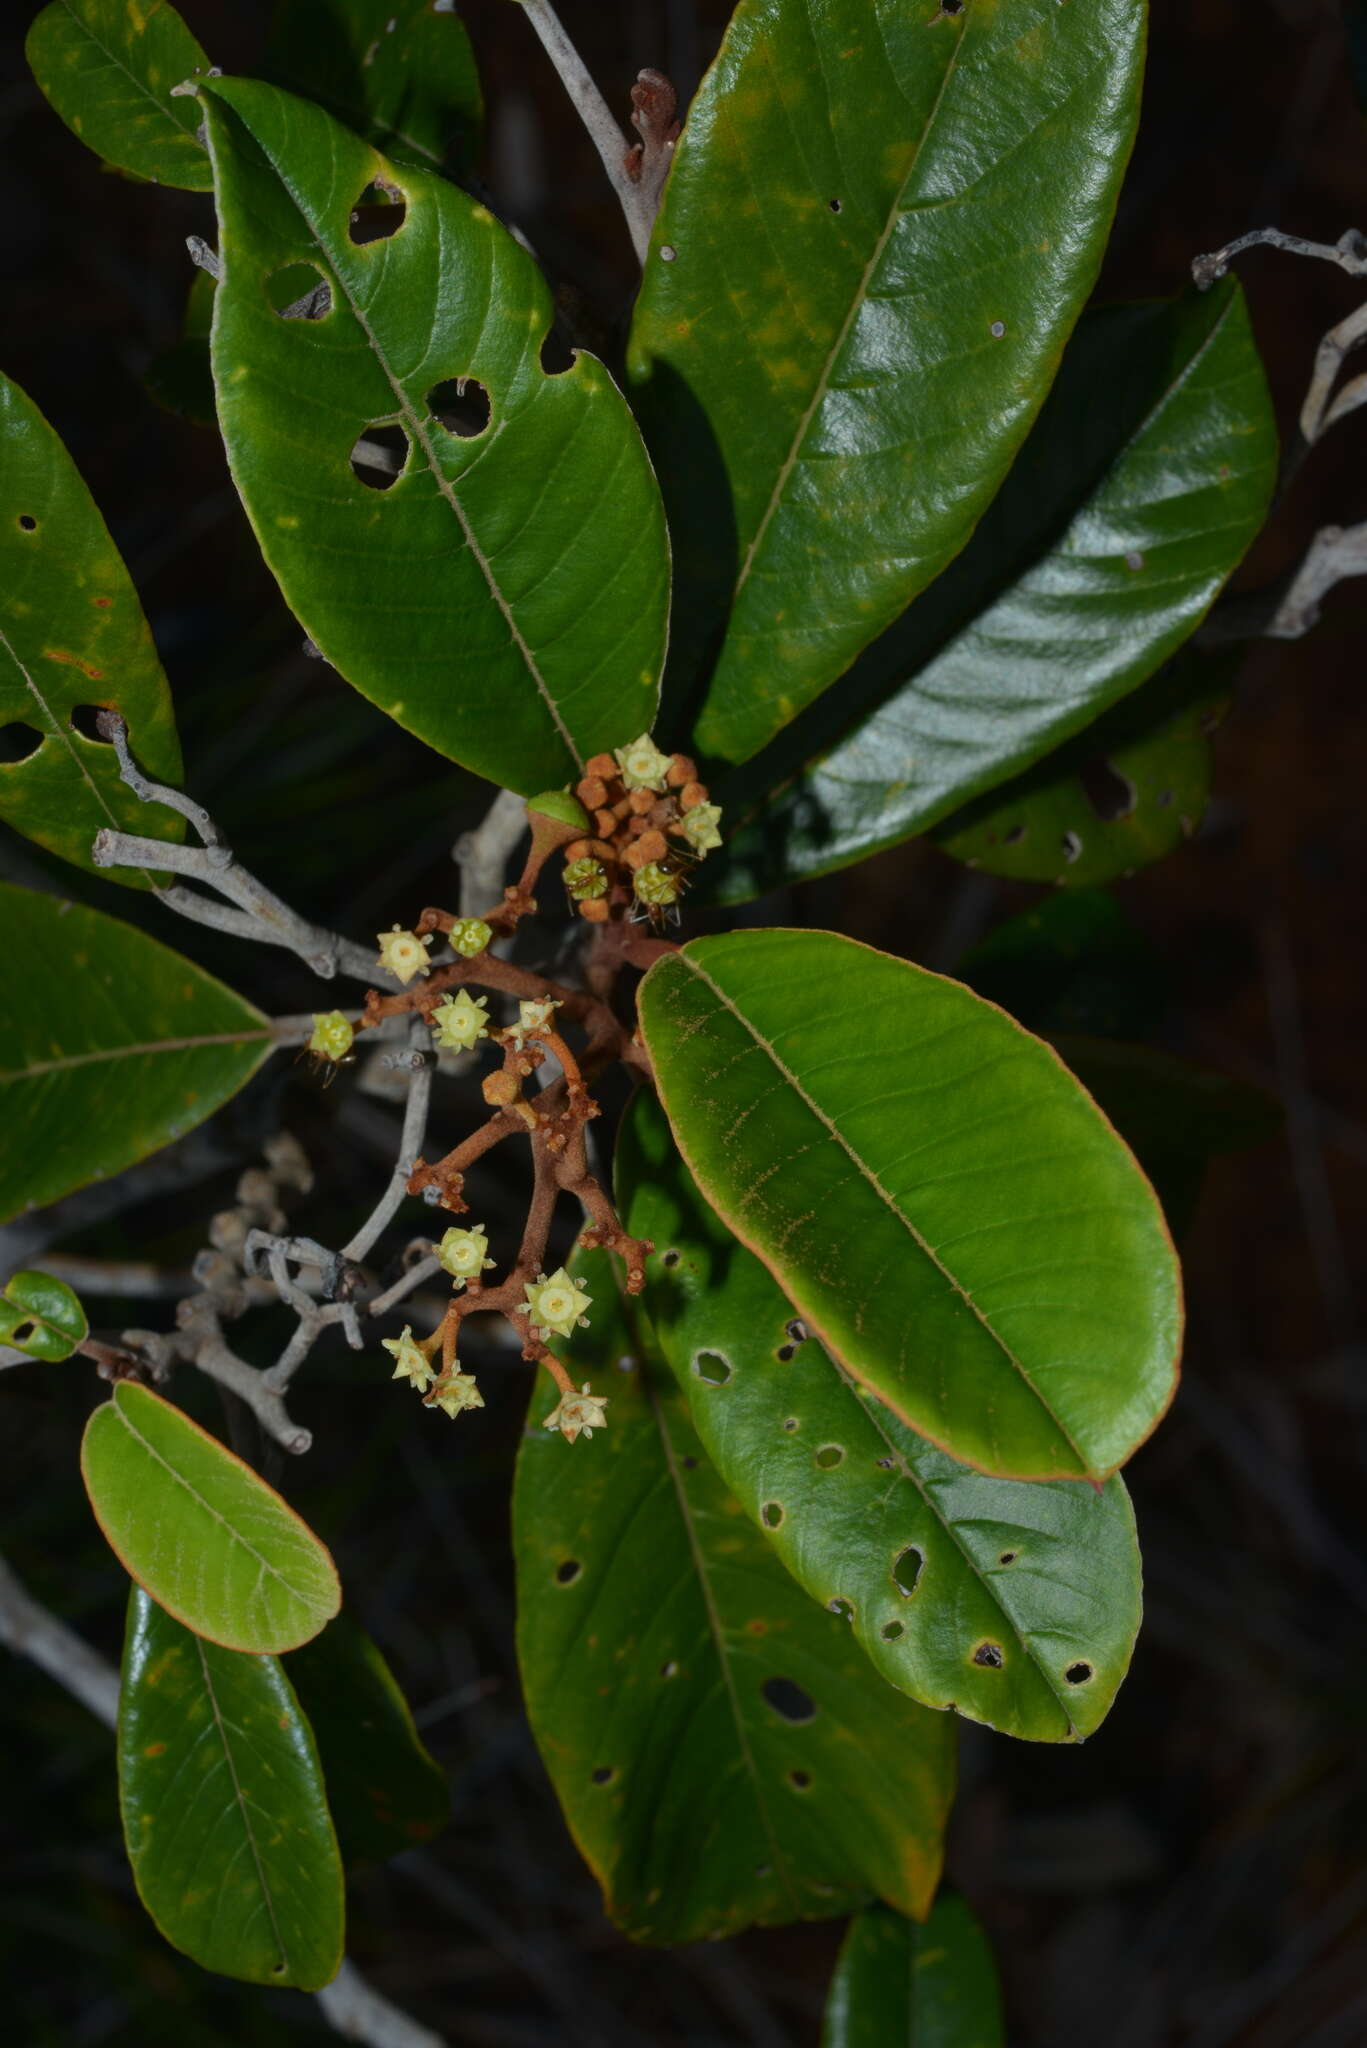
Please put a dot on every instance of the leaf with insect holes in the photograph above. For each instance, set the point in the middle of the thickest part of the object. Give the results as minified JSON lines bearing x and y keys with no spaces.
{"x":108,"y":68}
{"x":882,"y":220}
{"x":73,"y":639}
{"x":42,"y":1316}
{"x":1016,"y":1602}
{"x":931,"y":1189}
{"x":210,"y":1541}
{"x":503,"y":589}
{"x":724,"y":1753}
{"x":224,"y":1809}
{"x":111,"y":1046}
{"x":399,"y":72}
{"x":898,"y":1984}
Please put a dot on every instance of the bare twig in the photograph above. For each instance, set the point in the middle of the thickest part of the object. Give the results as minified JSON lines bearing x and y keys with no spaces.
{"x":118,"y":1279}
{"x":355,"y":2008}
{"x":482,"y":855}
{"x":410,"y":1145}
{"x":1349,"y":252}
{"x":1292,"y":607}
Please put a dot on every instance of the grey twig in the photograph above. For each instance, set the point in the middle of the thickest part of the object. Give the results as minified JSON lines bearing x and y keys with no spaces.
{"x":483,"y":854}
{"x":410,"y":1144}
{"x":1349,"y":253}
{"x":205,"y":258}
{"x":1292,"y":607}
{"x":351,"y":2005}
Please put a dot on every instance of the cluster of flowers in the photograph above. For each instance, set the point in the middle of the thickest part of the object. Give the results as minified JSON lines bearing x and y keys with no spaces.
{"x":638,"y":799}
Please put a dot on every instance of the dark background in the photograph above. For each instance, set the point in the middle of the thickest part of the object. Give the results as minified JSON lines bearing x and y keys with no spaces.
{"x":1197,"y":1874}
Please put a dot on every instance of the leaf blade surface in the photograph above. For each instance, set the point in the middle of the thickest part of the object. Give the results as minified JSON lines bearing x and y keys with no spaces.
{"x":900,"y":1985}
{"x":107,"y":68}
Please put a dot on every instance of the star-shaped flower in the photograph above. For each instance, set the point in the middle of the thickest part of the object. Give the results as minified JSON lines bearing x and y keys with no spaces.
{"x":469,"y":935}
{"x":332,"y":1036}
{"x":410,"y":1362}
{"x":454,"y":1391}
{"x":403,"y":953}
{"x":533,"y":1016}
{"x":556,"y":1304}
{"x":642,"y":764}
{"x":463,"y":1253}
{"x":699,"y":827}
{"x":573,"y":1412}
{"x":460,"y":1021}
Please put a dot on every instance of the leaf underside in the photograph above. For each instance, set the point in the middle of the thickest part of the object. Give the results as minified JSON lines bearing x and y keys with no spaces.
{"x":899,"y":1985}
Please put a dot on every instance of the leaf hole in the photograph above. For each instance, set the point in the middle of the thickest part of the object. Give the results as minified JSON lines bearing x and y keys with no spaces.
{"x":277,"y":1969}
{"x":462,"y":405}
{"x":669,"y":1670}
{"x":1110,"y":794}
{"x":1078,"y":1674}
{"x":1070,"y":845}
{"x":797,"y":1330}
{"x":22,"y":1335}
{"x":1014,"y":836}
{"x":885,"y":1464}
{"x":891,"y":1630}
{"x":299,"y":291}
{"x":378,"y":213}
{"x":669,"y":1258}
{"x":28,"y":522}
{"x":604,"y":1774}
{"x":791,"y":1423}
{"x":799,"y":1780}
{"x":830,"y":1455}
{"x":711,"y":1368}
{"x":906,"y":1571}
{"x":1134,"y":561}
{"x":379,"y":456}
{"x":785,"y":1352}
{"x":85,"y":720}
{"x":834,"y":205}
{"x":18,"y":742}
{"x":1007,"y":1557}
{"x":556,"y":354}
{"x":990,"y":1656}
{"x":567,"y":1572}
{"x":690,"y":1464}
{"x":997,"y":329}
{"x":789,"y":1700}
{"x":771,"y":1514}
{"x":839,"y":1606}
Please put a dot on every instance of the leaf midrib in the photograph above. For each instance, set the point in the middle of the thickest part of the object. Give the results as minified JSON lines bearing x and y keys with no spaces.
{"x":126,"y":1052}
{"x":185,"y":133}
{"x":244,"y":1811}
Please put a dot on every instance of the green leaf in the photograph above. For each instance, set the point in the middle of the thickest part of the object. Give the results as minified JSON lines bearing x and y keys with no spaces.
{"x":224,"y":1811}
{"x":880,"y":225}
{"x":1146,"y":477}
{"x":386,"y":1791}
{"x":108,"y":68}
{"x":42,"y":1316}
{"x":72,"y":634}
{"x":1016,"y":1603}
{"x":897,"y":1985}
{"x":724,"y":1754}
{"x":210,"y":1541}
{"x":932,"y":1190}
{"x":111,"y":1046}
{"x":1118,"y":797}
{"x":506,"y":597}
{"x":399,"y":72}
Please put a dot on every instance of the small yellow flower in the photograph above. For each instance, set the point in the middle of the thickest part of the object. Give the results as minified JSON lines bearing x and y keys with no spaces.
{"x":409,"y":1360}
{"x":454,"y":1391}
{"x":642,"y":764}
{"x":463,"y":1253}
{"x":556,"y":1304}
{"x":469,"y":935}
{"x":699,"y":827}
{"x":586,"y":880}
{"x":403,"y":954}
{"x":654,"y":884}
{"x":332,"y":1036}
{"x":573,"y":1412}
{"x":533,"y":1016}
{"x":460,"y":1021}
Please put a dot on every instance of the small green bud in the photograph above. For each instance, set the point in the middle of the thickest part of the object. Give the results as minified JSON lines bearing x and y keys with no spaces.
{"x":469,"y":935}
{"x":586,"y":879}
{"x":654,"y":884}
{"x":332,"y":1037}
{"x":560,"y":805}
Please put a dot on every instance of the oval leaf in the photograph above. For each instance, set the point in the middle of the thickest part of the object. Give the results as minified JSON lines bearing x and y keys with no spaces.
{"x":880,"y":225}
{"x":505,"y":597}
{"x":386,"y":1791}
{"x":400,"y":72}
{"x":724,"y":1754}
{"x":107,"y":67}
{"x":897,"y":1985}
{"x":72,"y":636}
{"x":1017,"y":1603}
{"x":931,"y":1189}
{"x":1146,"y":478}
{"x":42,"y":1316}
{"x":91,"y":1080}
{"x":224,"y":1811}
{"x":213,"y":1544}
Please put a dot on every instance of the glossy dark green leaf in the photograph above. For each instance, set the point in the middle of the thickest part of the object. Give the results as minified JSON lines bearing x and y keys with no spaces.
{"x":224,"y":1810}
{"x":387,"y":1793}
{"x":1144,"y":481}
{"x":41,"y":1315}
{"x":505,"y":598}
{"x":72,"y":638}
{"x":724,"y":1753}
{"x":1015,"y":1602}
{"x":110,"y":1046}
{"x":399,"y":72}
{"x":108,"y":67}
{"x":900,"y":1985}
{"x":1121,"y":795}
{"x":197,"y":1529}
{"x":881,"y":223}
{"x":932,"y":1190}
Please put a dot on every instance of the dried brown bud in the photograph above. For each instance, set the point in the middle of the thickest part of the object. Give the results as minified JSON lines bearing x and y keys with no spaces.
{"x":500,"y":1089}
{"x":594,"y":910}
{"x":681,"y":770}
{"x":691,"y":794}
{"x":603,"y":766}
{"x":604,"y":823}
{"x":592,"y":793}
{"x":650,"y":846}
{"x":643,"y":800}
